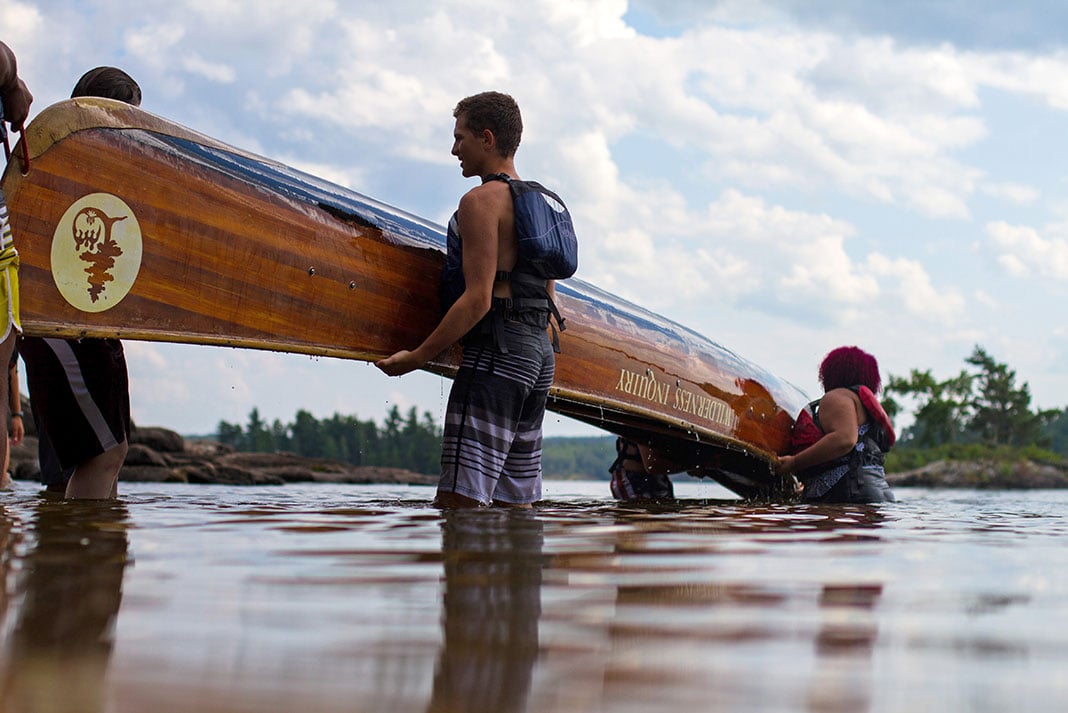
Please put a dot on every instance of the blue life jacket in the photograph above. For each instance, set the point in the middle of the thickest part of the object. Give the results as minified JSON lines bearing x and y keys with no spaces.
{"x":548,"y":247}
{"x":547,"y":250}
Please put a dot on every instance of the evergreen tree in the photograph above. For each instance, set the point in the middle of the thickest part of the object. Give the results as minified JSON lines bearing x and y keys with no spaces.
{"x":1055,"y":429}
{"x":369,"y":444}
{"x":333,"y":440}
{"x":390,"y":441}
{"x":258,"y":438}
{"x":422,"y":443}
{"x":308,"y":440}
{"x":943,"y":411}
{"x":280,"y":439}
{"x":344,"y":432}
{"x":1001,"y":412}
{"x":230,"y":434}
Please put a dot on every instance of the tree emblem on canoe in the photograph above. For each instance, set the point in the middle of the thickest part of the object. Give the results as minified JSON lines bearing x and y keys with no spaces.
{"x":96,"y":252}
{"x":92,"y":236}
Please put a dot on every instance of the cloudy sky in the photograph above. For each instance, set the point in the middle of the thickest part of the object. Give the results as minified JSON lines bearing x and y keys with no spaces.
{"x":784,"y":176}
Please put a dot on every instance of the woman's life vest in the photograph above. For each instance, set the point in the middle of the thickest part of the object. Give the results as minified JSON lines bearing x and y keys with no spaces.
{"x":807,"y":429}
{"x":547,"y":250}
{"x":862,"y":474}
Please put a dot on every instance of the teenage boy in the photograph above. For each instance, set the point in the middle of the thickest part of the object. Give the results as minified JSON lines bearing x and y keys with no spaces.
{"x":79,"y":388}
{"x":491,"y":445}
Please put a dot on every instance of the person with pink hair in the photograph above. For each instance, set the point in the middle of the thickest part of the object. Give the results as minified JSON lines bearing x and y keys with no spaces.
{"x":842,"y":462}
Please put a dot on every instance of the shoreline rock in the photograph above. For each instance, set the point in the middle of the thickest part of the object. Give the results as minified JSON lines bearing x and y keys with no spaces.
{"x":158,"y":455}
{"x":984,"y":474}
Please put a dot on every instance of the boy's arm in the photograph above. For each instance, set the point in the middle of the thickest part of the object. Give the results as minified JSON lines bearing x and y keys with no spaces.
{"x":478,"y":218}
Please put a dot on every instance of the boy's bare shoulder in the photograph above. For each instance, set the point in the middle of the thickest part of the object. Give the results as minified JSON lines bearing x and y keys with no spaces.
{"x":487,"y":195}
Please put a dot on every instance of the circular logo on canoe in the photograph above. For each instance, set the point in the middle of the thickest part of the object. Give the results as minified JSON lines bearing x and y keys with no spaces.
{"x":96,"y":252}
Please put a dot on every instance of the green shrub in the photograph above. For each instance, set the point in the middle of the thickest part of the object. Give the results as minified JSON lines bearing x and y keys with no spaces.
{"x":906,"y":458}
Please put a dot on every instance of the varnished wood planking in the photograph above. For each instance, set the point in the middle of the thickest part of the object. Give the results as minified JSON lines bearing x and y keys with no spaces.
{"x":222,"y":271}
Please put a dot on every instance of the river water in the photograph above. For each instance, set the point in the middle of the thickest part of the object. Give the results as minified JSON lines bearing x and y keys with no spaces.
{"x":312,"y":598}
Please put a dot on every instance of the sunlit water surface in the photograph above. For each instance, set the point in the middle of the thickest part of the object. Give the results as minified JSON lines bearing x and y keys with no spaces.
{"x":313,"y":598}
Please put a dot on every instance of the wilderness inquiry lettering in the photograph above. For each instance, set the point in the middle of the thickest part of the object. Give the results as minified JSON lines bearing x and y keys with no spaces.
{"x":645,"y":386}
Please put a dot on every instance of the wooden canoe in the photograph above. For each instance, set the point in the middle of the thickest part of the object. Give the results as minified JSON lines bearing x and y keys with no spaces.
{"x":131,"y":226}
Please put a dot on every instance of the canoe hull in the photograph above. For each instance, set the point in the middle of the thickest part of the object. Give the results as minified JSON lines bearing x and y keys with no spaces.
{"x":131,"y":226}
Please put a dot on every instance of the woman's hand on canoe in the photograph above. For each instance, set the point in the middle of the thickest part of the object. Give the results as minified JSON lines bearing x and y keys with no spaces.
{"x":400,"y":363}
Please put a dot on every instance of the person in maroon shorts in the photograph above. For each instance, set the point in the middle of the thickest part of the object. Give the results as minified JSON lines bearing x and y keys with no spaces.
{"x":79,"y":388}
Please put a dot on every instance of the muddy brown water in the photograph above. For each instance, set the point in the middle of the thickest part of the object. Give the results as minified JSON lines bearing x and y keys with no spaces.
{"x":364,"y":598}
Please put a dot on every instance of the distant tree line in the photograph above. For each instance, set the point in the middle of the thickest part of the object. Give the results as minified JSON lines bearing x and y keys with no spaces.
{"x":400,"y":442}
{"x":407,"y":442}
{"x":979,"y":412}
{"x":584,"y":458}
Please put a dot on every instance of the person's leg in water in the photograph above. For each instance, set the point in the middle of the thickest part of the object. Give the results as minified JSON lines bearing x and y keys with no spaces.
{"x":53,"y":475}
{"x":6,"y":348}
{"x":632,"y":476}
{"x":491,"y":440}
{"x":80,"y":396}
{"x":98,"y":477}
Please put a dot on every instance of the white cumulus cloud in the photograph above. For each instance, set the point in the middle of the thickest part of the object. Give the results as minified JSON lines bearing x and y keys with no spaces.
{"x":1024,"y":252}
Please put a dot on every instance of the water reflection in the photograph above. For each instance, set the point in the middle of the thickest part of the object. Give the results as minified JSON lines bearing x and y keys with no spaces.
{"x":708,"y":593}
{"x":778,"y":522}
{"x":67,"y":592}
{"x":493,"y":575}
{"x":842,"y":680}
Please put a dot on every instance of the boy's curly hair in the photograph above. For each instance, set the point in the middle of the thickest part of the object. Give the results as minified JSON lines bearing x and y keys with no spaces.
{"x":494,"y":111}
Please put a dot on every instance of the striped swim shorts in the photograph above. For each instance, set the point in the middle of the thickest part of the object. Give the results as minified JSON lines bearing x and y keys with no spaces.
{"x":491,"y":445}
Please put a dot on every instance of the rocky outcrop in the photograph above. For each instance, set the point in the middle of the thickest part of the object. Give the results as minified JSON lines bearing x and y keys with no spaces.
{"x":984,"y":474}
{"x":157,"y":455}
